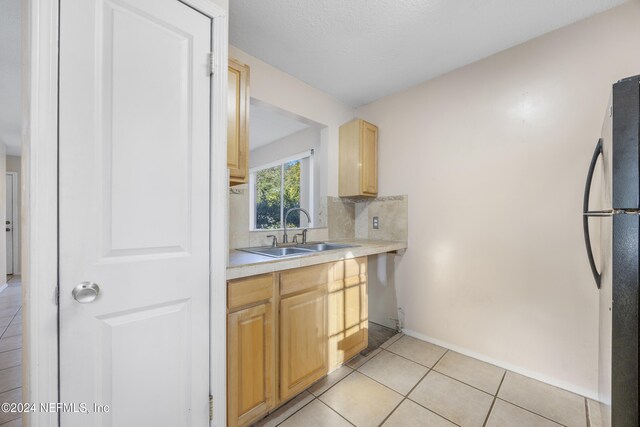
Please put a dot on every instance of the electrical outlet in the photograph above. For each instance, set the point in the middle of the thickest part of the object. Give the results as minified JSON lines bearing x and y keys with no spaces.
{"x":376,"y":223}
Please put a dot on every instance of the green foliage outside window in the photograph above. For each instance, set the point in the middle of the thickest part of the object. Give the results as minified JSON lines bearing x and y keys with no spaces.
{"x":275,"y":195}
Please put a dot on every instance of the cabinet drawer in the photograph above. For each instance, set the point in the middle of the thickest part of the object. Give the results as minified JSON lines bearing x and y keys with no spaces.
{"x":251,"y":290}
{"x":301,"y":279}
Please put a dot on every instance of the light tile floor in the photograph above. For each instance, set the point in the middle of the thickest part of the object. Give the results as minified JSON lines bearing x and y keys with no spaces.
{"x":409,"y":382}
{"x":11,"y":349}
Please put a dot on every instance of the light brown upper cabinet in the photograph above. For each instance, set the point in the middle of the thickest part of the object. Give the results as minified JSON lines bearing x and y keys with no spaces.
{"x":238,"y":123}
{"x":358,"y":159}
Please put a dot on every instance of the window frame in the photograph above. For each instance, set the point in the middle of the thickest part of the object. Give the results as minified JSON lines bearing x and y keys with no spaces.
{"x":308,"y":154}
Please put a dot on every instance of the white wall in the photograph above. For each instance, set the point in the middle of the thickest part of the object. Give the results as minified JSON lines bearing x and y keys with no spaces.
{"x":493,"y":157}
{"x":279,"y":89}
{"x":290,"y":145}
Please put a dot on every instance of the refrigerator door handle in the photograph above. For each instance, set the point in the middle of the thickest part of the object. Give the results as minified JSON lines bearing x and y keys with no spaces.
{"x":586,"y":214}
{"x":609,"y":212}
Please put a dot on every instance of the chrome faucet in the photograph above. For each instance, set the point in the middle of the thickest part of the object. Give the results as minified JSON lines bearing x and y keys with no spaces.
{"x":274,"y":241}
{"x":285,"y":238}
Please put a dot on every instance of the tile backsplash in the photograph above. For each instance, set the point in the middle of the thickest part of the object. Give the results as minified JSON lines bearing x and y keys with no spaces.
{"x":392,"y":214}
{"x":344,"y":218}
{"x":353,"y":218}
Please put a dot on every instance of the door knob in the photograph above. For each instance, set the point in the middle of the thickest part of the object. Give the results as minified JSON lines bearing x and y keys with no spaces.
{"x":86,"y":292}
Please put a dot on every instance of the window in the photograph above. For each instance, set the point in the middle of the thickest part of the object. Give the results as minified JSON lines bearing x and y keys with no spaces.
{"x":278,"y":187}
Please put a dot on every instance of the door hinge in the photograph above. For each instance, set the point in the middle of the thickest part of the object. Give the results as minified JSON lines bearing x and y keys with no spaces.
{"x":56,"y":295}
{"x":212,"y":63}
{"x":210,"y":408}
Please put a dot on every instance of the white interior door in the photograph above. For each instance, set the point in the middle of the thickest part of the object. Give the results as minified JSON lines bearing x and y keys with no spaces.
{"x":9,"y":222}
{"x":134,"y":175}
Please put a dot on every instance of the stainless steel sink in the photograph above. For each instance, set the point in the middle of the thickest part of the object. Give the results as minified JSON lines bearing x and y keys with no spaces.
{"x":278,"y":252}
{"x":289,"y":251}
{"x":319,"y":247}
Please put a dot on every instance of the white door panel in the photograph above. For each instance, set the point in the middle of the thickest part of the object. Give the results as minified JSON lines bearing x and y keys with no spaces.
{"x":134,"y":211}
{"x":9,"y":226}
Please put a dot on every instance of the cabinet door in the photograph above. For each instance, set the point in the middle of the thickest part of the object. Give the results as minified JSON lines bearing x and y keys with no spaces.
{"x":303,"y":341}
{"x":237,"y":122}
{"x":251,"y":364}
{"x":369,"y":159}
{"x":348,"y":311}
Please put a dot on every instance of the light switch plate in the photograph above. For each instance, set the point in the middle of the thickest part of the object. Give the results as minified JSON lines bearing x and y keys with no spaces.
{"x":376,"y":224}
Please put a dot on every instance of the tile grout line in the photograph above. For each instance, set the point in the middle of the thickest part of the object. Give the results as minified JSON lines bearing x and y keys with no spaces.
{"x":13,"y":349}
{"x":10,"y":321}
{"x":339,"y":414}
{"x":12,"y":420}
{"x":332,"y":385}
{"x":397,"y":338}
{"x":586,"y":410}
{"x":493,"y":402}
{"x":433,"y":368}
{"x":421,"y":405}
{"x":530,"y":411}
{"x":455,"y":379}
{"x":406,"y":397}
{"x":418,"y":363}
{"x":472,"y":386}
{"x":314,"y":398}
{"x":11,"y":367}
{"x":370,"y":359}
{"x":294,"y":412}
{"x":384,"y":385}
{"x":12,"y":389}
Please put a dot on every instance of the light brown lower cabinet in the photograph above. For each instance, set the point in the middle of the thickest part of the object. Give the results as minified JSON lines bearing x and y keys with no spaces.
{"x":287,"y":330}
{"x":303,"y":341}
{"x":251,"y":352}
{"x":348,"y":311}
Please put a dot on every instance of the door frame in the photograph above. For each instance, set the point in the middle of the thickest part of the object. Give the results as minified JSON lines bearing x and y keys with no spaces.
{"x":40,"y":32}
{"x":15,"y":266}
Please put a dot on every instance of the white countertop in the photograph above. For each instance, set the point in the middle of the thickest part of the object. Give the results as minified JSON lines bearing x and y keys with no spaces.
{"x":245,"y":264}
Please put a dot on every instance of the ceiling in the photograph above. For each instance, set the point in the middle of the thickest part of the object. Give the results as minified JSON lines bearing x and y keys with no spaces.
{"x":362,"y":50}
{"x":10,"y":81}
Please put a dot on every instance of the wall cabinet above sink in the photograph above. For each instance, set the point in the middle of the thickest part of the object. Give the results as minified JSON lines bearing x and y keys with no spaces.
{"x":238,"y":123}
{"x":358,"y":159}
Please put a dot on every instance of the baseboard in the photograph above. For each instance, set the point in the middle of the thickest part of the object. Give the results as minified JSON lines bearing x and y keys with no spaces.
{"x":508,"y":366}
{"x":3,"y":287}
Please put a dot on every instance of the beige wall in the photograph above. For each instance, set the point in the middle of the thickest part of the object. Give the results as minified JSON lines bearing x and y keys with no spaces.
{"x":14,"y":165}
{"x":493,"y":157}
{"x":270,"y":85}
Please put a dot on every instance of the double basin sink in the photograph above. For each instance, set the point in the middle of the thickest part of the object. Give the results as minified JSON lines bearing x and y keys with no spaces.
{"x":303,"y":249}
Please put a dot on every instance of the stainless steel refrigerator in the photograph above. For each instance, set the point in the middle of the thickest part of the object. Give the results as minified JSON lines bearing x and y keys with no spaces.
{"x":611,"y":222}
